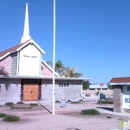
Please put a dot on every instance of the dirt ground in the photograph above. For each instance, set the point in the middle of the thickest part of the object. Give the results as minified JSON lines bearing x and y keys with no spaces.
{"x":38,"y":118}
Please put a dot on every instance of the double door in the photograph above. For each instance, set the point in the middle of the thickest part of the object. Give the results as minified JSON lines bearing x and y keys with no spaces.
{"x":30,"y":92}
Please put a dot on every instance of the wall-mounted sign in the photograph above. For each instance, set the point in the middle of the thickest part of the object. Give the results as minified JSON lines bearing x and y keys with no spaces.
{"x":126,"y":96}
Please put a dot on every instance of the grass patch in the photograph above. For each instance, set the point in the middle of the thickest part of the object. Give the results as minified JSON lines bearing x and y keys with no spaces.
{"x":90,"y":112}
{"x":75,"y":102}
{"x":33,"y":104}
{"x":20,"y":102}
{"x":9,"y":104}
{"x":109,"y":117}
{"x":10,"y":118}
{"x":108,"y":101}
{"x":20,"y":107}
{"x":2,"y":115}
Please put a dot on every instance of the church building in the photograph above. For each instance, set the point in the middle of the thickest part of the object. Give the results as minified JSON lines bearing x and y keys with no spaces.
{"x":30,"y":77}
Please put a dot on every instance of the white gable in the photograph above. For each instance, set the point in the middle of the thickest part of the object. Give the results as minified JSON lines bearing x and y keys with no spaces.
{"x":30,"y":60}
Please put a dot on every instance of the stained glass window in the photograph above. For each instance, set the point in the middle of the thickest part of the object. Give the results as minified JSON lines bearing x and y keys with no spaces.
{"x":39,"y":93}
{"x":22,"y":93}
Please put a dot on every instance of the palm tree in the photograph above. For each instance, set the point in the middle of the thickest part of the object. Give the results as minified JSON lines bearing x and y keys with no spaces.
{"x":70,"y":72}
{"x":59,"y":66}
{"x":65,"y":71}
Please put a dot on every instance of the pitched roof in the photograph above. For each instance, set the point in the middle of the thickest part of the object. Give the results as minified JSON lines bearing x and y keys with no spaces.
{"x":12,"y":49}
{"x":19,"y":47}
{"x":120,"y":79}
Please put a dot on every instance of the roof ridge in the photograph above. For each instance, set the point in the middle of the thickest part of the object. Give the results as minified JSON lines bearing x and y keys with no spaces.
{"x":120,"y":79}
{"x":14,"y":48}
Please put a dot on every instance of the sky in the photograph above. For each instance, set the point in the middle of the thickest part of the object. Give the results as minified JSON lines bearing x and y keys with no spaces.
{"x":92,"y":35}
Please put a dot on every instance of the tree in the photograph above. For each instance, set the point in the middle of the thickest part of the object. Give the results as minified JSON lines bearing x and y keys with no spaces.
{"x":109,"y":86}
{"x":49,"y":63}
{"x":70,"y":72}
{"x":59,"y":66}
{"x":86,"y":85}
{"x":65,"y":71}
{"x":2,"y":71}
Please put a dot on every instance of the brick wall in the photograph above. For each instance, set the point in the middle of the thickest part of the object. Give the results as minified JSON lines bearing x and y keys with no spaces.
{"x":9,"y":90}
{"x":117,"y":99}
{"x":71,"y":92}
{"x":6,"y":63}
{"x":45,"y":71}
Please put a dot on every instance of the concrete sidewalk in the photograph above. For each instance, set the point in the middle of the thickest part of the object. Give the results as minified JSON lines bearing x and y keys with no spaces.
{"x":102,"y":108}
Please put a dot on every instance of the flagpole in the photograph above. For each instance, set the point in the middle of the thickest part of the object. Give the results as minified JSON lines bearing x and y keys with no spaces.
{"x":54,"y":42}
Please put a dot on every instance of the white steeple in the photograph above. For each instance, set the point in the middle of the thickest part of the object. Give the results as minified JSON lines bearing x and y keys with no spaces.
{"x":26,"y":36}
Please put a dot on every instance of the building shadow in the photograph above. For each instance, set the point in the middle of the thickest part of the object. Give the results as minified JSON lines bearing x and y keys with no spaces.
{"x":72,"y":128}
{"x":106,"y":108}
{"x":45,"y":107}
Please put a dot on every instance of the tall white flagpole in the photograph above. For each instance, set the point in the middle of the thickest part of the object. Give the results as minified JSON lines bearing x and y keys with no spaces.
{"x":54,"y":42}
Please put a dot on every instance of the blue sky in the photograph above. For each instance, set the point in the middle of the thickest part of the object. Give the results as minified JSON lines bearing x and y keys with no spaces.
{"x":93,"y":35}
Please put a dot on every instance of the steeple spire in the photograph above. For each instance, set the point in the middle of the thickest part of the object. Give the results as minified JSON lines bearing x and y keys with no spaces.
{"x":26,"y":36}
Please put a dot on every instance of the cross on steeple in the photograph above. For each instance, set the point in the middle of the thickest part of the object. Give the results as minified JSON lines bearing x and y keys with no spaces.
{"x":26,"y":36}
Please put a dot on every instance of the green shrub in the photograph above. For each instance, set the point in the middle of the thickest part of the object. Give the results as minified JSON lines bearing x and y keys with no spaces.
{"x":57,"y":101}
{"x":20,"y":102}
{"x":2,"y":115}
{"x":69,"y":101}
{"x":90,"y":112}
{"x":9,"y":104}
{"x":10,"y":118}
{"x":80,"y":100}
{"x":75,"y":102}
{"x":33,"y":104}
{"x":105,"y":101}
{"x":109,"y":117}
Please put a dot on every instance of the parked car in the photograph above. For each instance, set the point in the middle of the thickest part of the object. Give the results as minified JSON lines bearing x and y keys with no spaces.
{"x":102,"y":96}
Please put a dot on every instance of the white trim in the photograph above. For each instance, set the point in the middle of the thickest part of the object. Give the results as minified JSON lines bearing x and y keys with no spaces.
{"x":4,"y":55}
{"x":123,"y":83}
{"x":18,"y":62}
{"x":7,"y":54}
{"x":50,"y":68}
{"x":38,"y":46}
{"x":42,"y":77}
{"x":40,"y":64}
{"x":33,"y":42}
